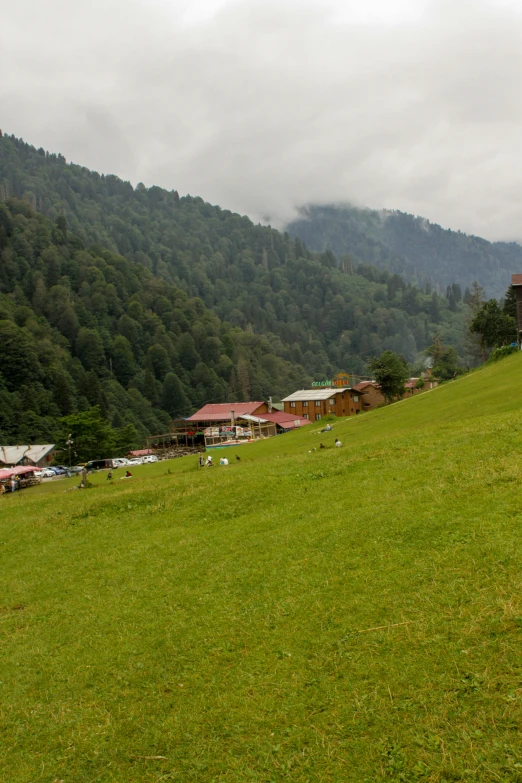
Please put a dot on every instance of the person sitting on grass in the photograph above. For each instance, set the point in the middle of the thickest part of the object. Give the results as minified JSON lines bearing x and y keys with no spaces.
{"x":223,"y":461}
{"x":109,"y":475}
{"x":322,"y":446}
{"x":338,"y":443}
{"x":209,"y":462}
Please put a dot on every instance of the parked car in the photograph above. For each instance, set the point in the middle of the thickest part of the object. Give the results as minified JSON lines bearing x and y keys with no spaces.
{"x":149,"y":458}
{"x":59,"y":471}
{"x":135,"y":461}
{"x":120,"y":462}
{"x":99,"y":464}
{"x":48,"y":473}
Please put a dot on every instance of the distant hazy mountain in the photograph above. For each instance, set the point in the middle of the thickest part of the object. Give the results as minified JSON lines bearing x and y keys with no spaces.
{"x":411,"y":246}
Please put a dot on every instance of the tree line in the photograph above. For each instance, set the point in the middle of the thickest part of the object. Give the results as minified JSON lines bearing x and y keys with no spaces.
{"x":146,"y":305}
{"x":420,"y":251}
{"x":326,"y":315}
{"x":83,"y":328}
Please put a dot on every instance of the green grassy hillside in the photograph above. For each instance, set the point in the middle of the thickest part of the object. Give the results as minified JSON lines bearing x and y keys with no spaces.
{"x":348,"y":614}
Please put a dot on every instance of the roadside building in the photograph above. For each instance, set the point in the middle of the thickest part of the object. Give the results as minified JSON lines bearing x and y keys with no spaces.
{"x":372,"y":395}
{"x":192,"y":434}
{"x":283,"y":422}
{"x":42,"y":456}
{"x":220,"y":424}
{"x":418,"y":385}
{"x":225,"y":413}
{"x":314,"y":404}
{"x":216,"y":425}
{"x":140,"y":453}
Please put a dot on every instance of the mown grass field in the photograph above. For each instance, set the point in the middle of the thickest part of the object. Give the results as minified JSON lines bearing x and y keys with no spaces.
{"x":351,"y":614}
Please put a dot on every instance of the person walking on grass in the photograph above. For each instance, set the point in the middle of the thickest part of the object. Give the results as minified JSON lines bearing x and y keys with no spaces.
{"x":201,"y":460}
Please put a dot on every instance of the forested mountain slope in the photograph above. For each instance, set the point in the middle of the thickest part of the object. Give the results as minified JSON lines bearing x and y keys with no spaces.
{"x":251,"y":276}
{"x":82,"y":328}
{"x":421,"y":251}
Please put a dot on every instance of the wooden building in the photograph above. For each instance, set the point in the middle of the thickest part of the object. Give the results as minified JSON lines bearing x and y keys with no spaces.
{"x":225,"y":412}
{"x":41,"y":456}
{"x":314,"y":404}
{"x":374,"y":398}
{"x":516,"y":282}
{"x":413,"y":385}
{"x":190,"y":434}
{"x":221,"y":424}
{"x":372,"y":395}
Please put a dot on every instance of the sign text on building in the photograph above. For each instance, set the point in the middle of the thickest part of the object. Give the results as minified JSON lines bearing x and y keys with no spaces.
{"x":341,"y":379}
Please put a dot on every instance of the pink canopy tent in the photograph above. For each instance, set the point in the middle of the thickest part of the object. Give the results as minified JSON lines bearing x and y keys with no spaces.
{"x":7,"y":473}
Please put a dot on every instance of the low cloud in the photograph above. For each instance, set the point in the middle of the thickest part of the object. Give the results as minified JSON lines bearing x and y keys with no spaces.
{"x":264,"y":106}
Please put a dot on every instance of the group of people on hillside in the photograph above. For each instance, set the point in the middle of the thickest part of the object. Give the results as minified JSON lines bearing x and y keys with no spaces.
{"x":338,"y":444}
{"x":128,"y":474}
{"x":209,"y":462}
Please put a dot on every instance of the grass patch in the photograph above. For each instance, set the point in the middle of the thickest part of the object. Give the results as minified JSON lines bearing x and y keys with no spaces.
{"x":348,"y":614}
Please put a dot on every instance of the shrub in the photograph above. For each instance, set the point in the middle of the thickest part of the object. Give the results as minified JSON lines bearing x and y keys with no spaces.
{"x":501,"y":353}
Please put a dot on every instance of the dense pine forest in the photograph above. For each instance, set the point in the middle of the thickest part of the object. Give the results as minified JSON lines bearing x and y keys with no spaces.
{"x":147,"y":304}
{"x":420,"y":251}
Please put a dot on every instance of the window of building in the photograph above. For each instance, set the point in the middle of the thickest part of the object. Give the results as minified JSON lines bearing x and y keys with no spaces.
{"x":317,"y":416}
{"x":305,"y":404}
{"x":356,"y":399}
{"x":305,"y":415}
{"x":292,"y":404}
{"x":318,"y":403}
{"x":332,"y":401}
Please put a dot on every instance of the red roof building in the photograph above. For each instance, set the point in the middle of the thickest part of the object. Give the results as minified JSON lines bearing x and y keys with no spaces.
{"x":284,"y":421}
{"x":226,"y":411}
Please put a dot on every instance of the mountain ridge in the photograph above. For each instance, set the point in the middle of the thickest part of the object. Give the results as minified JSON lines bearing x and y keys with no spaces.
{"x":267,"y":314}
{"x":417,"y":248}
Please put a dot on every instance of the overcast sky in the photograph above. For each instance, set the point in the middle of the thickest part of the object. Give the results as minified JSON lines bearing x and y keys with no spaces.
{"x":264,"y":106}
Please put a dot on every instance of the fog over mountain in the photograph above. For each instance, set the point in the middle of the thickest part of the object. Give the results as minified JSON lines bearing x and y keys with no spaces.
{"x":264,"y":106}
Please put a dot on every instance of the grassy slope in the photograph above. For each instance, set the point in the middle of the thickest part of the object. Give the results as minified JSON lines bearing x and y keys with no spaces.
{"x":219,"y":618}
